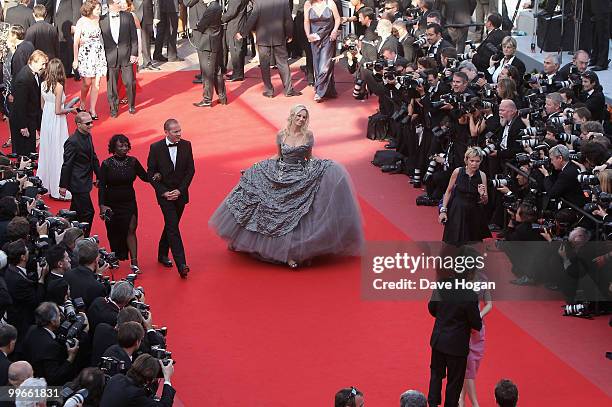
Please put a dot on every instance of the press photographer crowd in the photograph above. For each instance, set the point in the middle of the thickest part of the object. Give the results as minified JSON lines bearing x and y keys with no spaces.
{"x":66,"y":323}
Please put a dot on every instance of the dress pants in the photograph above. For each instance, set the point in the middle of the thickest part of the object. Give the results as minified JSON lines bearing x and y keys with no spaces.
{"x":302,"y":41}
{"x":280,"y":54}
{"x":236,"y":50}
{"x":441,"y":364}
{"x":601,"y":40}
{"x":66,"y":55}
{"x":23,"y":145}
{"x":81,"y":203}
{"x":210,"y":67}
{"x":145,"y":34}
{"x":127,"y":77}
{"x":459,"y":36}
{"x":171,"y":236}
{"x":166,"y":31}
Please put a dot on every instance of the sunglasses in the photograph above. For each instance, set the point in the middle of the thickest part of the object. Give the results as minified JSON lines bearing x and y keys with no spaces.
{"x":90,"y":123}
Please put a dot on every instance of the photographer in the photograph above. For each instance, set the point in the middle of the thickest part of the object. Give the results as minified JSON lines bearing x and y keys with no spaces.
{"x":491,"y":44}
{"x":133,"y":388}
{"x":71,"y":237}
{"x":105,"y":309}
{"x":8,"y":210}
{"x":92,"y":380}
{"x":8,"y":338}
{"x":592,"y":95}
{"x":579,"y":65}
{"x":564,"y":182}
{"x":129,"y":338}
{"x":435,"y":42}
{"x":550,"y":75}
{"x":50,"y":358}
{"x":506,"y":57}
{"x":511,"y":126}
{"x":82,"y":279}
{"x":59,"y":263}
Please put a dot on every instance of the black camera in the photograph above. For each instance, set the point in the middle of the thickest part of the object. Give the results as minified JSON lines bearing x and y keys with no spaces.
{"x":500,"y":180}
{"x":69,"y":330}
{"x":109,"y":258}
{"x":142,"y":308}
{"x":111,"y":365}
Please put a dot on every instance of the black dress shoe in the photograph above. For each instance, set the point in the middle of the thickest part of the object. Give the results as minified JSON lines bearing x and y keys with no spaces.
{"x":183,"y":271}
{"x":235,"y":79}
{"x":160,"y":58}
{"x":198,"y":76}
{"x":196,"y":81}
{"x":268,"y":94}
{"x":132,"y":110}
{"x":152,"y":67}
{"x":164,"y":261}
{"x":293,"y":93}
{"x":203,"y":103}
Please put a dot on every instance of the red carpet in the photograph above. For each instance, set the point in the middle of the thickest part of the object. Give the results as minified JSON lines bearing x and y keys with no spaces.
{"x":246,"y":332}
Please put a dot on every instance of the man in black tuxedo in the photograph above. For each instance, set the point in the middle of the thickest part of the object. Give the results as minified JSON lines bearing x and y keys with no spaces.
{"x":274,"y":27}
{"x":492,"y":42}
{"x":144,"y":12}
{"x":593,"y":97}
{"x":42,"y":34}
{"x":456,"y":313}
{"x":8,"y":338}
{"x":234,"y":17}
{"x":458,"y":12}
{"x":405,"y":49}
{"x":80,"y":163}
{"x":564,"y":182}
{"x":106,"y":309}
{"x":82,"y":279}
{"x":26,"y":112}
{"x":50,"y":358}
{"x":166,"y":13}
{"x":21,"y":15}
{"x":600,"y":10}
{"x":121,"y":48}
{"x":208,"y":39}
{"x":124,"y":390}
{"x":436,"y":42}
{"x":129,"y":338}
{"x":171,"y":170}
{"x":65,"y":16}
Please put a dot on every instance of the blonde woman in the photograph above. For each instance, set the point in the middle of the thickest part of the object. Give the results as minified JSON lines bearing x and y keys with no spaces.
{"x":292,"y":207}
{"x":462,"y":215}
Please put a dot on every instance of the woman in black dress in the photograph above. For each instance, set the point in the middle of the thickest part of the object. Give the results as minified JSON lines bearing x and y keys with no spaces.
{"x":116,"y":192}
{"x":463,"y":214}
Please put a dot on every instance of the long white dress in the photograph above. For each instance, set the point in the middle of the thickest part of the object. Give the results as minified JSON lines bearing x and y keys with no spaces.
{"x":53,"y":134}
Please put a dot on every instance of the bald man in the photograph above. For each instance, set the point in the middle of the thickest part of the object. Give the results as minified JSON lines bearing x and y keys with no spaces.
{"x":80,"y":163}
{"x":510,"y":131}
{"x":19,"y":372}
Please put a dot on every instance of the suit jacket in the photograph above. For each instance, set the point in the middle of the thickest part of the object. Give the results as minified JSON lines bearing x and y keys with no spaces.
{"x":119,"y":353}
{"x":565,"y":185}
{"x":406,"y":49}
{"x":390,"y":42}
{"x":104,"y":337}
{"x":102,"y":310}
{"x":437,"y":52}
{"x":165,"y":6}
{"x":484,"y":52}
{"x":457,"y":11}
{"x":119,"y":53}
{"x":456,"y":313}
{"x":20,"y":15}
{"x":65,"y":17}
{"x":20,"y":57}
{"x":235,"y":16}
{"x":83,"y":284}
{"x":26,"y":295}
{"x":272,"y":22}
{"x":80,"y":163}
{"x":44,"y":37}
{"x":144,"y":11}
{"x":26,"y":111}
{"x":121,"y":391}
{"x":596,"y":103}
{"x":171,"y":178}
{"x":208,"y":34}
{"x":48,"y":357}
{"x":4,"y":366}
{"x":5,"y":298}
{"x":513,"y":145}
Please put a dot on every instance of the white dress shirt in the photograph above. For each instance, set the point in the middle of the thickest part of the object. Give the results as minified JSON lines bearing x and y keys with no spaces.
{"x":115,"y":21}
{"x":496,"y":71}
{"x":172,"y":151}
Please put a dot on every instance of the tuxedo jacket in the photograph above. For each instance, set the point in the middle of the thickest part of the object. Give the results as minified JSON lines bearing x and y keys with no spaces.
{"x":235,"y":16}
{"x":26,"y":294}
{"x":20,"y":15}
{"x":117,"y":352}
{"x":166,"y":6}
{"x":513,"y":145}
{"x":65,"y":16}
{"x":406,"y":49}
{"x":84,"y":284}
{"x":102,"y":310}
{"x":438,"y":51}
{"x":484,"y":52}
{"x":21,"y":56}
{"x":80,"y":163}
{"x":26,"y":111}
{"x":564,"y":184}
{"x":48,"y":357}
{"x":121,"y":391}
{"x":390,"y":42}
{"x":119,"y":53}
{"x":208,"y":34}
{"x":596,"y":103}
{"x":44,"y":37}
{"x":144,"y":11}
{"x":272,"y":22}
{"x":456,"y":313}
{"x":180,"y":178}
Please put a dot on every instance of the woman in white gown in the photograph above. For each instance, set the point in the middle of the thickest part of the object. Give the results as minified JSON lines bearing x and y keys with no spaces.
{"x":53,"y":127}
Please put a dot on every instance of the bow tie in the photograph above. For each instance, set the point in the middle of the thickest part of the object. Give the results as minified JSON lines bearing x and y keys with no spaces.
{"x":173,"y":145}
{"x":114,"y":15}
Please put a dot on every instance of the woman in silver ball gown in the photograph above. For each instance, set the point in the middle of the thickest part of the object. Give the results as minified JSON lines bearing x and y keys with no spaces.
{"x":292,"y":207}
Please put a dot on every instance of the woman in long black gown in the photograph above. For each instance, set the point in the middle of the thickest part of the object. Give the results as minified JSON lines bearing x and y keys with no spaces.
{"x":463,"y":214}
{"x":116,"y":192}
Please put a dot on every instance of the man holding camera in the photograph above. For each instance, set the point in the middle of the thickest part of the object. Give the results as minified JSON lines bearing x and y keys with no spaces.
{"x":436,"y":42}
{"x":592,"y":95}
{"x":83,"y":280}
{"x":563,"y":183}
{"x":129,"y":338}
{"x":491,"y":44}
{"x":106,"y":309}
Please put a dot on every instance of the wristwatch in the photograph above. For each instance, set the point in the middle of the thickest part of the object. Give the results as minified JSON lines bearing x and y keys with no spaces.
{"x":443,"y":209}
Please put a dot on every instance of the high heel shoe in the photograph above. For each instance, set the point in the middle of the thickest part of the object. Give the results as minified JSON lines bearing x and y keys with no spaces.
{"x":292,"y":264}
{"x":93,"y":116}
{"x":135,"y":269}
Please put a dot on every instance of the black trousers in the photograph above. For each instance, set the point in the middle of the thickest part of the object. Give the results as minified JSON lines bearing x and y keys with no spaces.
{"x":236,"y":50}
{"x":147,"y":32}
{"x":601,"y":40}
{"x":81,"y":203}
{"x":166,"y":31}
{"x":280,"y":54}
{"x":302,"y":42}
{"x":459,"y":36}
{"x":212,"y":77}
{"x":127,"y":77}
{"x":453,"y":368}
{"x":171,"y":236}
{"x":66,"y":55}
{"x":23,"y":145}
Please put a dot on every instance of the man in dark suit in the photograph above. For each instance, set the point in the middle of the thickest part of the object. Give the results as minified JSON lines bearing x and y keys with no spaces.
{"x":234,"y":17}
{"x":121,"y":49}
{"x":124,"y":390}
{"x":26,"y":112}
{"x":564,"y":183}
{"x":50,"y":358}
{"x":406,"y":41}
{"x":23,"y":50}
{"x":42,"y":34}
{"x":80,"y":163}
{"x":436,"y":42}
{"x":593,"y":97}
{"x":458,"y":12}
{"x":129,"y":338}
{"x":492,"y":42}
{"x":456,"y":313}
{"x":65,"y":16}
{"x":106,"y":309}
{"x":21,"y":15}
{"x":166,"y":13}
{"x":144,"y":13}
{"x":171,"y":159}
{"x":8,"y":338}
{"x":82,"y":279}
{"x":208,"y":39}
{"x":600,"y":11}
{"x":274,"y":27}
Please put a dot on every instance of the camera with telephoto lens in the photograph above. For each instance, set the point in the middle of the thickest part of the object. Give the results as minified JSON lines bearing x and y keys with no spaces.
{"x":544,"y":162}
{"x":543,"y":227}
{"x":575,"y":155}
{"x":377,"y":66}
{"x":522,"y":159}
{"x":533,"y":131}
{"x":161,"y":353}
{"x":500,"y":180}
{"x":566,"y":137}
{"x":359,"y":92}
{"x":108,"y":257}
{"x":401,"y":114}
{"x":582,"y":310}
{"x":75,"y":398}
{"x":351,"y":43}
{"x":142,"y":308}
{"x":112,"y":366}
{"x":420,"y":42}
{"x":431,"y":167}
{"x":511,"y":203}
{"x":587,"y":179}
{"x":441,"y":132}
{"x":560,"y":120}
{"x":69,"y":331}
{"x":529,"y":142}
{"x":67,"y":214}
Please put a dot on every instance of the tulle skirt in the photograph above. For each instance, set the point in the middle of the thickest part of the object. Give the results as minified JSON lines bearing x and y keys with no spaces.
{"x":332,"y":225}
